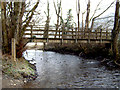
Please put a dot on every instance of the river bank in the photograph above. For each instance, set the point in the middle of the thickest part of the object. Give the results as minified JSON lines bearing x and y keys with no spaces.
{"x":100,"y":52}
{"x":15,"y":74}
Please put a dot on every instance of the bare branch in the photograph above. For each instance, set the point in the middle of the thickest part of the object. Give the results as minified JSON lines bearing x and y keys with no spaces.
{"x":96,"y":10}
{"x":100,"y":15}
{"x":105,"y":10}
{"x":55,"y":7}
{"x":30,"y":17}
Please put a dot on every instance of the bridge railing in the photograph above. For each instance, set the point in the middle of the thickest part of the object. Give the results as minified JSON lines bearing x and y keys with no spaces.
{"x":39,"y":32}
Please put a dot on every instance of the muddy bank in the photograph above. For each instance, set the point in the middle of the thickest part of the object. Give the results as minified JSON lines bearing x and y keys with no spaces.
{"x":101,"y":52}
{"x":16,"y":73}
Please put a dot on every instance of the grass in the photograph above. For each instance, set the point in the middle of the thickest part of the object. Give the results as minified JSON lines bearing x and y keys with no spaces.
{"x":19,"y":69}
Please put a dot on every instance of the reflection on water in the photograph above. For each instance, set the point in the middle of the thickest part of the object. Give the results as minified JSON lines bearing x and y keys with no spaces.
{"x":59,"y":70}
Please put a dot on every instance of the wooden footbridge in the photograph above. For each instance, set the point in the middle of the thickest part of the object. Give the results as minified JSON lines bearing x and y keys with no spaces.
{"x":40,"y":34}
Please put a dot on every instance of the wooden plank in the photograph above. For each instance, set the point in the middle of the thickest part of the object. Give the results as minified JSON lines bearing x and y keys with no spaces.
{"x":73,"y":34}
{"x":33,"y":34}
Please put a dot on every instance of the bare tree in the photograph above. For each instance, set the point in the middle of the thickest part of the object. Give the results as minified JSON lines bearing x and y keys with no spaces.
{"x":116,"y":31}
{"x":83,"y":21}
{"x":93,"y":19}
{"x":87,"y":16}
{"x":47,"y":21}
{"x":5,"y":47}
{"x":57,"y":10}
{"x":78,"y":14}
{"x":13,"y":26}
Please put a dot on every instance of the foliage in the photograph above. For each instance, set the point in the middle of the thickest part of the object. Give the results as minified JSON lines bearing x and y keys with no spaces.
{"x":69,"y":20}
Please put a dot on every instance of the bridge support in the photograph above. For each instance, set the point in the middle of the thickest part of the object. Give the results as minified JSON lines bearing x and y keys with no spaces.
{"x":47,"y":40}
{"x":88,"y":40}
{"x":100,"y":40}
{"x":76,"y":41}
{"x":44,"y":43}
{"x":62,"y":42}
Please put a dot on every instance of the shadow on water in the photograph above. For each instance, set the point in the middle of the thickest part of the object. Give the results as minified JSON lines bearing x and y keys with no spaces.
{"x":69,"y":71}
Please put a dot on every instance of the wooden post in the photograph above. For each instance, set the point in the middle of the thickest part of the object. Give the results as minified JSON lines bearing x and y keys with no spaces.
{"x":62,"y":42}
{"x":14,"y":49}
{"x":96,"y":33}
{"x":76,"y":33}
{"x":76,"y":41}
{"x":89,"y":34}
{"x":59,"y":33}
{"x":106,"y":34}
{"x":31,"y":31}
{"x":47,"y":40}
{"x":84,"y":34}
{"x":43,"y":46}
{"x":100,"y":35}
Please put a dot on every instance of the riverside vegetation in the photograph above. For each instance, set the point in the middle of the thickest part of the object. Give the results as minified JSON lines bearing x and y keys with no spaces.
{"x":20,"y":70}
{"x":100,"y":52}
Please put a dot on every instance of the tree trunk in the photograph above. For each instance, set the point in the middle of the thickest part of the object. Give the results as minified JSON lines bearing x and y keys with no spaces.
{"x":115,"y":32}
{"x":87,"y":17}
{"x":4,"y":29}
{"x":47,"y":22}
{"x":57,"y":26}
{"x":58,"y":15}
{"x":0,"y":36}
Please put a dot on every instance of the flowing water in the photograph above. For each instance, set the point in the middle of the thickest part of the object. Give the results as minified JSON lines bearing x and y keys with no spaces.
{"x":57,"y":70}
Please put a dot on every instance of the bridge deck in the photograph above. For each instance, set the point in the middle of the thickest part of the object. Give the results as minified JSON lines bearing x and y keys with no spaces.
{"x":57,"y":40}
{"x":67,"y":36}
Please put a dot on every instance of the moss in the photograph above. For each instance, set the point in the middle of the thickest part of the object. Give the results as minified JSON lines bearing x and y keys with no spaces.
{"x":20,"y":68}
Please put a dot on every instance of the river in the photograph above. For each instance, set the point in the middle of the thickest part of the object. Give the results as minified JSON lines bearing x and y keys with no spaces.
{"x":57,"y":70}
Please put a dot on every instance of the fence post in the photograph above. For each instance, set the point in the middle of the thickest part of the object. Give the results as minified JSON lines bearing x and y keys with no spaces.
{"x":14,"y":49}
{"x":76,"y":36}
{"x":62,"y":41}
{"x":100,"y":35}
{"x":59,"y":33}
{"x":106,"y":34}
{"x":72,"y":33}
{"x":43,"y":46}
{"x":96,"y":33}
{"x":89,"y":34}
{"x":31,"y":31}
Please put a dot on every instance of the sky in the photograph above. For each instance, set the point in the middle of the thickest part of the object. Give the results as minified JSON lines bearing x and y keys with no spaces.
{"x":71,"y":4}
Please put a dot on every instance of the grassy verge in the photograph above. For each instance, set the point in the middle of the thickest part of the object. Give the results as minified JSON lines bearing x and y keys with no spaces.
{"x":21,"y":69}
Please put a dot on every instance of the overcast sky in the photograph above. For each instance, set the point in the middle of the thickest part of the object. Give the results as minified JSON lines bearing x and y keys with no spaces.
{"x":71,"y":4}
